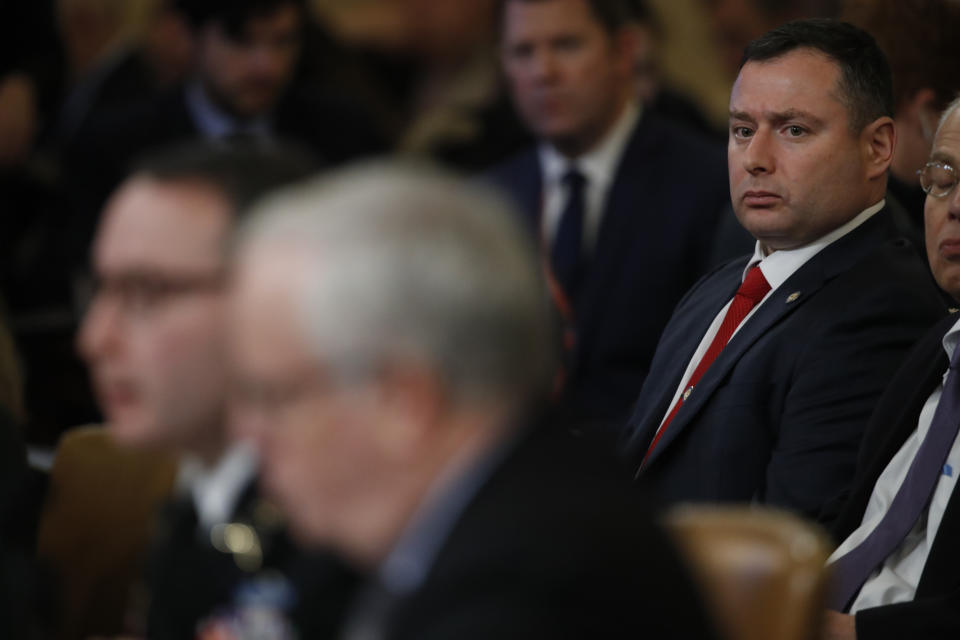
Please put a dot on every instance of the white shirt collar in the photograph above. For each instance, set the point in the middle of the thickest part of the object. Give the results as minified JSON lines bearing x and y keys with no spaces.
{"x":780,"y":265}
{"x":951,"y":338}
{"x":599,"y":164}
{"x":215,"y":490}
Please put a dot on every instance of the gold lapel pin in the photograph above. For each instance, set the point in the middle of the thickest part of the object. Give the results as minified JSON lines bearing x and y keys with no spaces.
{"x":793,"y":296}
{"x":686,"y":394}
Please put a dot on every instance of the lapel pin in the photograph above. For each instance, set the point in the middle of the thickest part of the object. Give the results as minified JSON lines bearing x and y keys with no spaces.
{"x":686,"y":394}
{"x":793,"y":296}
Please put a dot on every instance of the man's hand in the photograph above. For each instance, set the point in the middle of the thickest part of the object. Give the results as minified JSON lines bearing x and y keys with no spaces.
{"x":839,"y":626}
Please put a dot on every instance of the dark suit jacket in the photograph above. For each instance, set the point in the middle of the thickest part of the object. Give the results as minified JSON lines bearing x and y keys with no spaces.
{"x":657,"y":226}
{"x":191,"y":582}
{"x":779,"y":415}
{"x":555,"y":545}
{"x":935,"y":609}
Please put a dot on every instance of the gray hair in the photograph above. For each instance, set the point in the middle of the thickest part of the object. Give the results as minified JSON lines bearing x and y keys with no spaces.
{"x":409,"y":263}
{"x":951,"y":108}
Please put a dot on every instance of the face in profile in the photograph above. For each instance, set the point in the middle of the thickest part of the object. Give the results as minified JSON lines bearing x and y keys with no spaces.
{"x":797,"y":171}
{"x":569,"y":76}
{"x":320,"y":440}
{"x":152,"y":336}
{"x":247,"y":74}
{"x":942,"y":208}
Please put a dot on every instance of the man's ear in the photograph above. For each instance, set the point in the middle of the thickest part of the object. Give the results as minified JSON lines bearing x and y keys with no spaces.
{"x":625,"y":42}
{"x":878,"y":141}
{"x":410,"y":399}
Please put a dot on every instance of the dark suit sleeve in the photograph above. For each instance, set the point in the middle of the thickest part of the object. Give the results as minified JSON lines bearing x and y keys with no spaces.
{"x":923,"y":619}
{"x":851,"y":356}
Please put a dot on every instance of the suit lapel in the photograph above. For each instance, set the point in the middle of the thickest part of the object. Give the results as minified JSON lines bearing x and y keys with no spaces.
{"x":799,"y":288}
{"x":679,"y":343}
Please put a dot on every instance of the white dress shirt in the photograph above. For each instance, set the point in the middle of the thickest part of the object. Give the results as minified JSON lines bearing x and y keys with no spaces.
{"x":599,"y":167}
{"x":216,"y":490}
{"x":897,"y":580}
{"x":777,"y":268}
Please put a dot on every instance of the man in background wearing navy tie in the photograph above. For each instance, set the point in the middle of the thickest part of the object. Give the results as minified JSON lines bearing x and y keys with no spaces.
{"x":895,"y":574}
{"x":767,"y":373}
{"x":624,"y":202}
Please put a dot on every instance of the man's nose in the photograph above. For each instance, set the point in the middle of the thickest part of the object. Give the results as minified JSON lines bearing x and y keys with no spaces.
{"x":100,"y":330}
{"x":758,"y":157}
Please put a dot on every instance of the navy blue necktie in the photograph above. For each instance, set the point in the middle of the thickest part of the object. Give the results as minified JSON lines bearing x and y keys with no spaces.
{"x":851,"y":570}
{"x":565,"y":258}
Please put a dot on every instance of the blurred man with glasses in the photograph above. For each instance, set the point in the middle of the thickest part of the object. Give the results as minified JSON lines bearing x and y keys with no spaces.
{"x":896,"y":572}
{"x":153,"y":338}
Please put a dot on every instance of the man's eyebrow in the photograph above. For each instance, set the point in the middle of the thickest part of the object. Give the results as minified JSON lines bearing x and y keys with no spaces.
{"x":741,"y":115}
{"x":779,"y":117}
{"x":794,"y":114}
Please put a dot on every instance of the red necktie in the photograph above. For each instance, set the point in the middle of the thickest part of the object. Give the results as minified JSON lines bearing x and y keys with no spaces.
{"x":751,"y":292}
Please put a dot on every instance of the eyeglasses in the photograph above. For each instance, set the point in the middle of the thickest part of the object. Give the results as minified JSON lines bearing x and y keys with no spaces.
{"x":140,"y":294}
{"x":937,"y":179}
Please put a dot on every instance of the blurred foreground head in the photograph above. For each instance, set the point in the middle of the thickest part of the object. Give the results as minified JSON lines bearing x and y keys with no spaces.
{"x":388,"y":325}
{"x":153,"y":334}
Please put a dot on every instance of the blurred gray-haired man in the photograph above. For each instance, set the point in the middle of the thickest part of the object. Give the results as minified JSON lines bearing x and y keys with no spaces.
{"x":391,"y":344}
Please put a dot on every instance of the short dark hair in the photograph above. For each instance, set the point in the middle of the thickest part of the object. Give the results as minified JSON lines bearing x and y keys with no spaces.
{"x":612,"y":15}
{"x":244,"y":173}
{"x":920,"y":39}
{"x":232,"y":15}
{"x":865,"y":82}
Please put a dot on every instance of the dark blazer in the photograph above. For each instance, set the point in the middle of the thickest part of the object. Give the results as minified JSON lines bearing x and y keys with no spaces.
{"x":191,"y":582}
{"x":935,"y":609}
{"x":658,"y":221}
{"x":778,"y":417}
{"x":555,"y":545}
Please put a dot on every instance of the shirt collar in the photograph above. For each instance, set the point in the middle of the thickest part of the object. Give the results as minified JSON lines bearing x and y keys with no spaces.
{"x":407,"y":564}
{"x":215,"y":490}
{"x":599,"y":163}
{"x":214,"y":122}
{"x":951,"y":338}
{"x":780,"y":265}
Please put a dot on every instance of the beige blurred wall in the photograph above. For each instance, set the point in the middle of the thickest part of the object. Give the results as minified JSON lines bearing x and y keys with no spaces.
{"x":690,"y":62}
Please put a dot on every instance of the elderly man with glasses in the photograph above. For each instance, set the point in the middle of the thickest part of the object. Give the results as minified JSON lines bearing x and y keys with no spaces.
{"x":895,"y":574}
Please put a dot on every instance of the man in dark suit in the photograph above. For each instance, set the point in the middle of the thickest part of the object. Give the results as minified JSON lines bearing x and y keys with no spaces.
{"x":153,"y":338}
{"x":623,"y":201}
{"x":390,"y":342}
{"x":895,"y":573}
{"x":771,"y":365}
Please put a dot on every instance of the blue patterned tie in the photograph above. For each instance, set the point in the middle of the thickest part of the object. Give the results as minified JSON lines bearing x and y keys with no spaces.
{"x":850,"y":571}
{"x":568,"y":243}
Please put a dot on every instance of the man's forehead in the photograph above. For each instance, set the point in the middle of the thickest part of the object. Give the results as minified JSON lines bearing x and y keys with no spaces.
{"x":163,"y":224}
{"x":795,"y":81}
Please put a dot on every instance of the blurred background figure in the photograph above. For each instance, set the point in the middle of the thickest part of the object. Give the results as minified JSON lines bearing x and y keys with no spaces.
{"x":153,"y":338}
{"x":613,"y":192}
{"x":919,"y":38}
{"x":391,"y":344}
